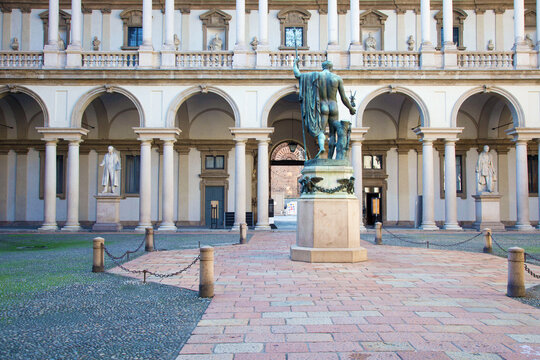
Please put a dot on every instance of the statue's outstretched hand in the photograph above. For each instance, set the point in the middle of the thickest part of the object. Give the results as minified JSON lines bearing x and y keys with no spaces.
{"x":352,"y":111}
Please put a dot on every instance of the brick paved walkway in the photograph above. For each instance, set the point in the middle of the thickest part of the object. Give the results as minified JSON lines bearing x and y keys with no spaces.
{"x":403,"y":303}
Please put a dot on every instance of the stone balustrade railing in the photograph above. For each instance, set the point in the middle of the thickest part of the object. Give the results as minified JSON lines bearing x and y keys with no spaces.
{"x":391,"y":60}
{"x":21,"y":59}
{"x":496,"y":60}
{"x":380,"y":60}
{"x":204,"y":59}
{"x":308,"y":59}
{"x":110,"y":60}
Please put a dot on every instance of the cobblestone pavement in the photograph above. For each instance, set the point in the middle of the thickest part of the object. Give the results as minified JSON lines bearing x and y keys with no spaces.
{"x":403,"y":303}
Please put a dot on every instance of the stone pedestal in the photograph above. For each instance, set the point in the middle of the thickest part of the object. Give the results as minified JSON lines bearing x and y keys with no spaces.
{"x":108,"y":213}
{"x":488,"y":212}
{"x":328,"y":227}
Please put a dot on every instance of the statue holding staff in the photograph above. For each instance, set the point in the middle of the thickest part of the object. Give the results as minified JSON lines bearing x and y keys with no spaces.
{"x":485,"y":172}
{"x":111,"y":165}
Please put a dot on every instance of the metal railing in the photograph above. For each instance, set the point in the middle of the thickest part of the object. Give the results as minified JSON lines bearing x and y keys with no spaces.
{"x":21,"y":59}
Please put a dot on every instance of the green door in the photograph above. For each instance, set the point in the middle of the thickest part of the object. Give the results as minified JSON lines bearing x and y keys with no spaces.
{"x":214,"y":195}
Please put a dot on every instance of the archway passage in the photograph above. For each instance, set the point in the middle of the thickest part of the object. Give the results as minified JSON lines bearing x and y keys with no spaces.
{"x":206,"y":162}
{"x":21,"y":154}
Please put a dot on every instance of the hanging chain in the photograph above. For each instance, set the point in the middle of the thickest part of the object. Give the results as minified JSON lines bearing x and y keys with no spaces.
{"x":530,"y":271}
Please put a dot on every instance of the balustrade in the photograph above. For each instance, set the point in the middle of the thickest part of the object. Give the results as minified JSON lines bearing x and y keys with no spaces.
{"x":285,"y":59}
{"x":486,"y":60}
{"x":204,"y":59}
{"x":391,"y":60}
{"x":21,"y":59}
{"x":112,"y":60}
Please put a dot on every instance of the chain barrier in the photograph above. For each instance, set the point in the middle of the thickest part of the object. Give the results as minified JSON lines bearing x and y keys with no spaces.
{"x":527,"y":269}
{"x":126,"y":253}
{"x":427,"y":243}
{"x":405,"y":240}
{"x":144,"y":272}
{"x":533,"y":257}
{"x":458,"y":243}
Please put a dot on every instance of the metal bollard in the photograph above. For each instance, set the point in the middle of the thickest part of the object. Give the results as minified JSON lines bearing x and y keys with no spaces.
{"x":378,"y":233}
{"x":243,"y":233}
{"x":149,"y":239}
{"x":516,"y":272}
{"x":206,"y":272}
{"x":99,"y":255}
{"x":488,"y":248}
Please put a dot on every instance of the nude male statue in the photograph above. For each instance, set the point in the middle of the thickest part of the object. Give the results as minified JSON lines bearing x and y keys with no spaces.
{"x":318,"y":95}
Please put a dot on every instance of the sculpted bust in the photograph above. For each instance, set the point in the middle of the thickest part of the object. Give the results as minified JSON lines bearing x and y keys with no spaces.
{"x":485,"y":172}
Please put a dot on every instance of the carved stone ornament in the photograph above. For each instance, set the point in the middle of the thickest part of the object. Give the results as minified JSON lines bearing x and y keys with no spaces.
{"x":490,"y":45}
{"x":410,"y":43}
{"x":217,"y":21}
{"x":15,"y":44}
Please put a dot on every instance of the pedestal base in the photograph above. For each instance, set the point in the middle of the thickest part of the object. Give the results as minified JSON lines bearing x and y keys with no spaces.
{"x":488,"y":212}
{"x":108,"y":213}
{"x":328,"y":226}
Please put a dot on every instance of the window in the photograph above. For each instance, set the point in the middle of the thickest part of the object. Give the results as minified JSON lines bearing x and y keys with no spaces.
{"x":60,"y":175}
{"x":460,"y":175}
{"x":135,"y":34}
{"x":294,"y":25}
{"x":459,"y":17}
{"x":214,"y":162}
{"x":373,"y":162}
{"x":132,"y":19}
{"x":532,"y":170}
{"x":132,"y":166}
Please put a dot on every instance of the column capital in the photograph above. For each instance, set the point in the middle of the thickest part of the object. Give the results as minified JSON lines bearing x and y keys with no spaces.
{"x":240,"y":140}
{"x":251,"y":133}
{"x":74,"y":142}
{"x":62,"y":133}
{"x":264,"y":141}
{"x":156,"y":133}
{"x":437,"y":133}
{"x":50,"y":141}
{"x":358,"y":134}
{"x":523,"y":134}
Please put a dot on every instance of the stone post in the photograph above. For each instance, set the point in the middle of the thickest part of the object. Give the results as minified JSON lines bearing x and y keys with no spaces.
{"x":72,"y":223}
{"x":149,"y":239}
{"x":262,"y":186}
{"x":167,"y":223}
{"x":450,"y":201}
{"x":488,"y":248}
{"x":516,"y":272}
{"x":240,"y":182}
{"x":206,"y":272}
{"x":243,"y":233}
{"x":99,"y":255}
{"x":49,"y":196}
{"x":378,"y":233}
{"x":145,"y":186}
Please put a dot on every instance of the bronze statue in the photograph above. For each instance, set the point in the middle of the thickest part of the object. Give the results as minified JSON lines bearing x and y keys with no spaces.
{"x":318,"y":98}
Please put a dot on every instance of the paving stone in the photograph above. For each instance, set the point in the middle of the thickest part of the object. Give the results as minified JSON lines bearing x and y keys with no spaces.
{"x":526,"y":338}
{"x":436,"y":314}
{"x":386,"y":346}
{"x":471,"y":356}
{"x":238,"y":348}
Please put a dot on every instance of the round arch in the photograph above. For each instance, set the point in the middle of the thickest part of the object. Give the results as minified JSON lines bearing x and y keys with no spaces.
{"x":86,"y":99}
{"x":23,"y":90}
{"x":186,"y":94}
{"x":424,"y":113}
{"x":273,"y":100}
{"x":514,"y":106}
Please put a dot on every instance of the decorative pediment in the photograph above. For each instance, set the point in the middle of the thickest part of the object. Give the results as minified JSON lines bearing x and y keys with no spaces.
{"x":372,"y":18}
{"x":530,"y":18}
{"x":215,"y":18}
{"x":132,"y":17}
{"x":459,"y":16}
{"x":294,"y":16}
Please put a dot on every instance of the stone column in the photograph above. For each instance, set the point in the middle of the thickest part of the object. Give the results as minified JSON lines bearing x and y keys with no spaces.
{"x":25,"y":33}
{"x":106,"y":29}
{"x":519,"y":22}
{"x":72,"y":223}
{"x":448,"y":30}
{"x":75,"y":40}
{"x":169,"y":24}
{"x":425,"y":15}
{"x":262,"y":186}
{"x":145,"y":186}
{"x":538,"y":26}
{"x":450,"y":200}
{"x":6,"y":28}
{"x":428,"y":188}
{"x":480,"y":42}
{"x":49,"y":195}
{"x":240,"y":24}
{"x":355,"y":22}
{"x":167,"y":223}
{"x":263,"y":22}
{"x":54,"y":12}
{"x":356,"y":159}
{"x":239,"y":182}
{"x":147,"y":23}
{"x":522,"y":186}
{"x":332,"y":23}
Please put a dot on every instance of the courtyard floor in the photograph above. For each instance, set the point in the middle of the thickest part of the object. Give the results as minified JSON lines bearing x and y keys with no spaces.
{"x":403,"y":303}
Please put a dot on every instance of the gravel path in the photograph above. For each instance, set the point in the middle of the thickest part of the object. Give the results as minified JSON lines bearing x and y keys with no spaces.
{"x":53,"y":307}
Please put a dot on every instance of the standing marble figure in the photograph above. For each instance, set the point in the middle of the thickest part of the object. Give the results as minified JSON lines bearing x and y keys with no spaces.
{"x":318,"y":98}
{"x":485,"y":172}
{"x":111,"y":163}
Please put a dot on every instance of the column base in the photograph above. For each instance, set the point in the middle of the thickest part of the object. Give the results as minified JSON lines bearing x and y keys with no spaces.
{"x":48,"y":227}
{"x":523,"y":227}
{"x":72,"y":228}
{"x":450,"y":226}
{"x":142,"y":227}
{"x":328,"y":255}
{"x":167,"y":227}
{"x":429,"y":227}
{"x":264,"y":227}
